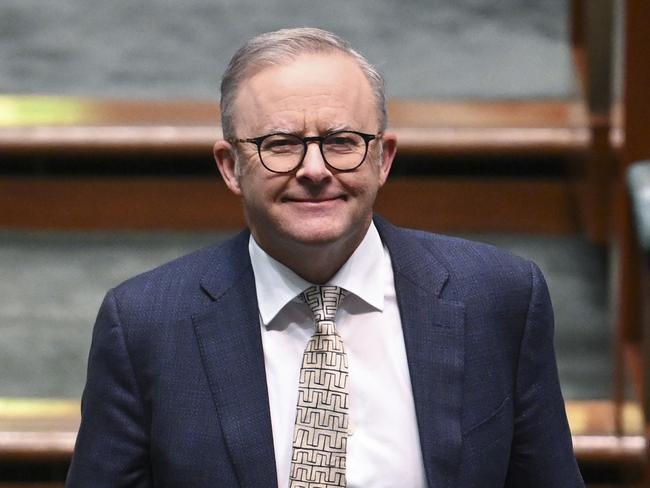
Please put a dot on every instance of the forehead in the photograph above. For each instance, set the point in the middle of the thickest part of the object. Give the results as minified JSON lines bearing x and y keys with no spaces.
{"x":313,"y":92}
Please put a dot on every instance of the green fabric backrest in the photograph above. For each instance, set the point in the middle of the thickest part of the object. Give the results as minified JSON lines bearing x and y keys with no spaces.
{"x":638,"y":180}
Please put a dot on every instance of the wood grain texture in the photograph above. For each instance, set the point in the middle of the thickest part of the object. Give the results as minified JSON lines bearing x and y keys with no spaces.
{"x":38,"y":430}
{"x":193,"y":203}
{"x":633,"y":341}
{"x":46,"y":432}
{"x":423,"y":127}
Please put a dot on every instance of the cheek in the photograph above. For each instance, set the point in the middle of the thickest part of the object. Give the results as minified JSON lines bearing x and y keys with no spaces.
{"x":260,"y":189}
{"x":247,"y":164}
{"x":361,"y":184}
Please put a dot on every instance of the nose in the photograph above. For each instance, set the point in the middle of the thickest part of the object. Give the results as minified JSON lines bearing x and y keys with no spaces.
{"x":313,"y":167}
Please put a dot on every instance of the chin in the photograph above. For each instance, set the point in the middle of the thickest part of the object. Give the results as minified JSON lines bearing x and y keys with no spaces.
{"x":316,"y":238}
{"x":318,"y":233}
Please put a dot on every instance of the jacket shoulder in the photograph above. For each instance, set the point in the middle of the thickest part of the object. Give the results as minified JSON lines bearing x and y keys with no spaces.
{"x":176,"y":285}
{"x":481,"y":273}
{"x":458,"y":253}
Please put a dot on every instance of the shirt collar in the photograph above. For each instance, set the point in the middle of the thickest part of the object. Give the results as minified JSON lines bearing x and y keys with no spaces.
{"x":362,"y":274}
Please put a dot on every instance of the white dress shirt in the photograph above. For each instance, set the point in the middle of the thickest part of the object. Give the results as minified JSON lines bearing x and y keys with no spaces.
{"x":383,"y":445}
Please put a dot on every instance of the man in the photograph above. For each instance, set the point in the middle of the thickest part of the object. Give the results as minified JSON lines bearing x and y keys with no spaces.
{"x":432,"y":359}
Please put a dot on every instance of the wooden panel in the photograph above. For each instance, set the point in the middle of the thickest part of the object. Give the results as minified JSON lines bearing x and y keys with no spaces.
{"x":610,"y":449}
{"x":598,"y":183}
{"x":453,"y":204}
{"x":481,"y":205}
{"x":492,"y":141}
{"x":578,"y":49}
{"x":636,"y":146}
{"x":44,"y":430}
{"x":38,"y":430}
{"x":118,"y":203}
{"x":487,"y":113}
{"x":599,"y":18}
{"x":644,"y":292}
{"x":59,"y":112}
{"x":594,"y":67}
{"x":596,"y":417}
{"x":633,"y":361}
{"x":53,"y":111}
{"x":423,"y":127}
{"x":626,"y":298}
{"x":636,"y":82}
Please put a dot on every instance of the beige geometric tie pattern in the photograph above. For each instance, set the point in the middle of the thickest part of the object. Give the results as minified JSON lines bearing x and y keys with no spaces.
{"x":321,"y":432}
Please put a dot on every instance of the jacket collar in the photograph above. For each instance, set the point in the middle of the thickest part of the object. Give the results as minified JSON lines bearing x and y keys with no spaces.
{"x":230,"y":344}
{"x":229,"y":339}
{"x":434,"y":330}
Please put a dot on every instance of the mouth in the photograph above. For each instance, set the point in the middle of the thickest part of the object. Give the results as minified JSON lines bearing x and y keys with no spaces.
{"x":322,"y":200}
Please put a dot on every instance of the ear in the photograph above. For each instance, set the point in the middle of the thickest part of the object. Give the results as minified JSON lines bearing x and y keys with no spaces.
{"x":389,"y":148}
{"x":224,"y":156}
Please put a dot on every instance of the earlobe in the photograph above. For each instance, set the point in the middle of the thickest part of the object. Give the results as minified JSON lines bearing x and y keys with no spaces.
{"x":224,"y":156}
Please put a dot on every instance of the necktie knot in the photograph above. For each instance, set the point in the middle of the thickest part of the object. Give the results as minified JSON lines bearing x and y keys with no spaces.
{"x":324,"y":300}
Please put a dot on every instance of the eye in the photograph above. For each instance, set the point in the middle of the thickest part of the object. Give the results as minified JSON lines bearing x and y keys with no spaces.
{"x":343,"y":142}
{"x":282,"y":144}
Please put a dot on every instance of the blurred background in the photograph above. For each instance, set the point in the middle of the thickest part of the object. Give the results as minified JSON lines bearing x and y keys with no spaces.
{"x":515,"y":128}
{"x":166,"y":49}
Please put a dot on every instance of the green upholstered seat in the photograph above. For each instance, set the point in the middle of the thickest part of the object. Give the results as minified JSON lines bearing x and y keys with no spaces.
{"x":638,"y":178}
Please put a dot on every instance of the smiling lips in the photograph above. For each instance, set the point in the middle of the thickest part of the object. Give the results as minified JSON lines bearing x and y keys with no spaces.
{"x":314,"y":200}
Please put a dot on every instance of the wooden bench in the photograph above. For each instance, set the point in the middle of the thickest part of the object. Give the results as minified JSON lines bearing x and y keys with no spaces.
{"x":72,"y":126}
{"x":38,"y":430}
{"x":44,"y":431}
{"x":430,"y":135}
{"x":576,"y":133}
{"x":630,"y":295}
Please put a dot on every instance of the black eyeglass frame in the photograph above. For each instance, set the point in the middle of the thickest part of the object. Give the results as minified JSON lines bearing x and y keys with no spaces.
{"x":307,"y":140}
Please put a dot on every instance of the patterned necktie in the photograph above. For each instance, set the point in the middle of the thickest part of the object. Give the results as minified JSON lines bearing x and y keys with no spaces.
{"x":321,"y":432}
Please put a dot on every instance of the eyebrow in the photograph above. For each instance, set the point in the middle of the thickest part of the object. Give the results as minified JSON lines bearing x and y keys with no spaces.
{"x":328,"y":130}
{"x":334,"y":128}
{"x":278,"y":130}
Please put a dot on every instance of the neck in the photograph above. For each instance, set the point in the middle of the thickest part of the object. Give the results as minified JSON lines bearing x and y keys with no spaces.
{"x":317,"y":266}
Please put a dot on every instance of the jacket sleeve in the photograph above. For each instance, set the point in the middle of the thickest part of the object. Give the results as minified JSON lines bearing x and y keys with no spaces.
{"x":112,"y":445}
{"x":542,"y":452}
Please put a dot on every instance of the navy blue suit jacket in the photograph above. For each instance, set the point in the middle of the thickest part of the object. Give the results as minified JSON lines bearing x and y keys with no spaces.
{"x":176,"y":392}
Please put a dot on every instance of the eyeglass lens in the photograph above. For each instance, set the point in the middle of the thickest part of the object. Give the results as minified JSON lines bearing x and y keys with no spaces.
{"x":341,"y":150}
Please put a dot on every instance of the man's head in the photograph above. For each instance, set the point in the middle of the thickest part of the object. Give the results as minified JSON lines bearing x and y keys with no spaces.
{"x":281,"y":47}
{"x":319,"y":205}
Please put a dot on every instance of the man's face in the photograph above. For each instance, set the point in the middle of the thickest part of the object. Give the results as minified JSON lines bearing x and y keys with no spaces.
{"x":315,"y":204}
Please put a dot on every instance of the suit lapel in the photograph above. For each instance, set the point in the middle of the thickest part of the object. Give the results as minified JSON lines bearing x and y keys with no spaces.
{"x":433,"y":335}
{"x":229,"y":338}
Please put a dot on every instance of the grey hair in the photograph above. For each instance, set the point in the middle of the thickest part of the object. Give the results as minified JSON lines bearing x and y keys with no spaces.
{"x":280,"y":47}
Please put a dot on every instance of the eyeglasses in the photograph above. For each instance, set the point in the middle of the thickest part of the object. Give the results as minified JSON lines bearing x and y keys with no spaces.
{"x":343,"y":150}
